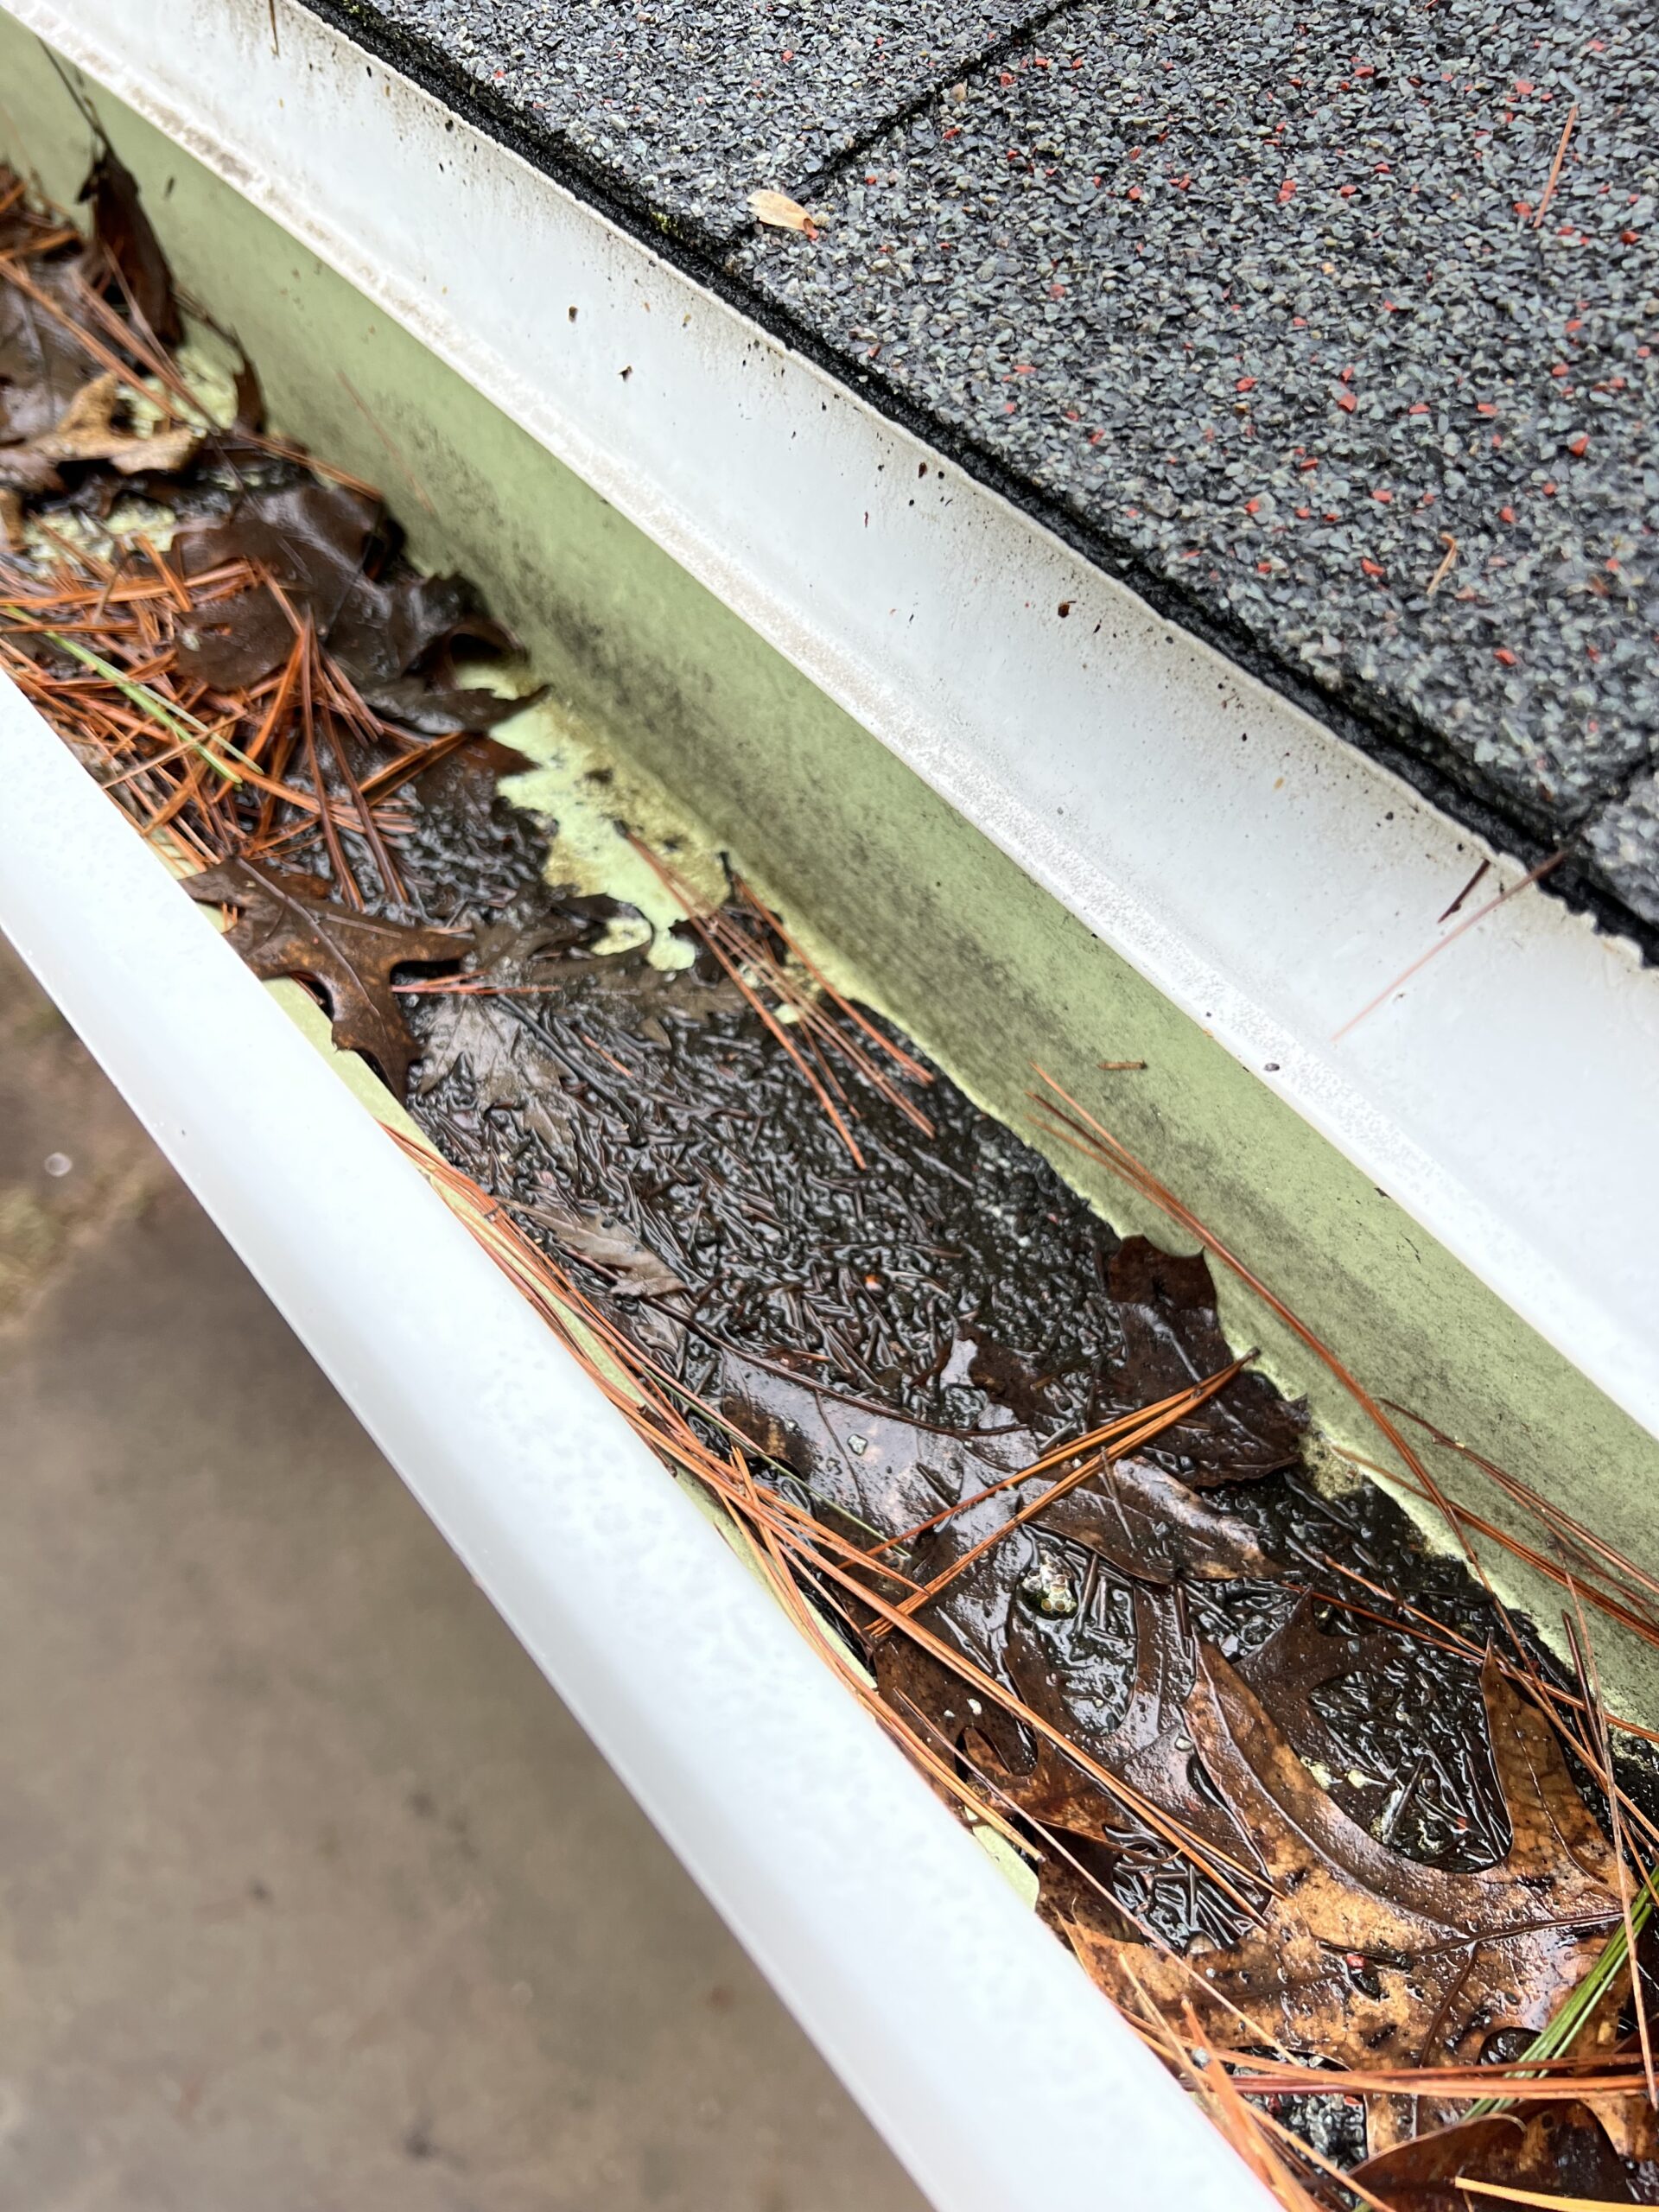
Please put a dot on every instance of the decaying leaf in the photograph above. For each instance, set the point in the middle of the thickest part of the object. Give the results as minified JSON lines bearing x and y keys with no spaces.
{"x":87,"y":430}
{"x":323,"y":543}
{"x":780,"y":212}
{"x":633,"y":1271}
{"x":1558,"y":2149}
{"x":121,"y":227}
{"x":42,"y":365}
{"x":1150,"y":1526}
{"x":436,"y":710}
{"x":1172,"y":1339}
{"x":285,"y":931}
{"x":637,"y":1125}
{"x":232,"y":642}
{"x":1364,"y":1956}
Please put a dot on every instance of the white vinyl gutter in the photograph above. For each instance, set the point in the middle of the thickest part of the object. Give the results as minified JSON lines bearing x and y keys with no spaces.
{"x":999,"y":2075}
{"x":1265,"y":876}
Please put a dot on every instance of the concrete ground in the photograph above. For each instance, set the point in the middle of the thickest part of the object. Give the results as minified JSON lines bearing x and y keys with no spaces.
{"x":313,"y":1898}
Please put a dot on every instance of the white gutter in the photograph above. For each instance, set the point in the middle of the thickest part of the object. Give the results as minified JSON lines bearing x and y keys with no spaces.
{"x":1270,"y":888}
{"x":999,"y":2075}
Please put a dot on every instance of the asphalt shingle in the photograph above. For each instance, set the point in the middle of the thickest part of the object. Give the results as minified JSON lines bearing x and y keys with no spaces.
{"x":1266,"y":301}
{"x":686,"y":106}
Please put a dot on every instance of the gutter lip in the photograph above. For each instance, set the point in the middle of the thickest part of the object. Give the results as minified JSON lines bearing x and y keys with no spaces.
{"x":1555,"y":1212}
{"x":817,"y":1841}
{"x":1402,"y":742}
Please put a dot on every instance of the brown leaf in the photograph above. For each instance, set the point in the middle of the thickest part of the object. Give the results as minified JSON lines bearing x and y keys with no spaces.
{"x":87,"y":430}
{"x":284,"y":931}
{"x":1036,"y":1613}
{"x":25,"y":468}
{"x":1148,"y":1742}
{"x":635,"y":1271}
{"x":436,"y":710}
{"x":1301,"y":1659}
{"x":880,"y":1469}
{"x":780,"y":212}
{"x":1556,"y":2148}
{"x":319,"y":542}
{"x":1152,"y":1526}
{"x":122,"y":228}
{"x":1172,"y":1339}
{"x":1367,"y":1958}
{"x":250,"y":397}
{"x":312,"y":537}
{"x":231,"y":643}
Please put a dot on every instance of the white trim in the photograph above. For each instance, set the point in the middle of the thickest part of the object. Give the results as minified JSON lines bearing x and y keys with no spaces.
{"x":1507,"y":1100}
{"x":999,"y":2075}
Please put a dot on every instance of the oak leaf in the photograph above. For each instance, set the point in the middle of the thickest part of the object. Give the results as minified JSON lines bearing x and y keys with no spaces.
{"x":285,"y":931}
{"x":1364,"y":1957}
{"x":1557,"y":2148}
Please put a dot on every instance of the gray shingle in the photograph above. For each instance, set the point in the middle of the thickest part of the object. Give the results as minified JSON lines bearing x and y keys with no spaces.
{"x":686,"y":106}
{"x":1625,"y":841}
{"x":1261,"y":299}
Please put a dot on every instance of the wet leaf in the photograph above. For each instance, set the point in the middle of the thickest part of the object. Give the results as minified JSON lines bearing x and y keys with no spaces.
{"x":435,"y":709}
{"x":312,"y":537}
{"x":320,"y":541}
{"x":122,"y":228}
{"x":1144,"y":1737}
{"x":1557,"y":2148}
{"x":634,"y":1271}
{"x":780,"y":212}
{"x":286,"y":930}
{"x":1111,"y":1666}
{"x":234,"y":642}
{"x":1172,"y":1339}
{"x":1366,"y":1957}
{"x":1152,"y":1526}
{"x":1005,"y":1376}
{"x":879,"y":1469}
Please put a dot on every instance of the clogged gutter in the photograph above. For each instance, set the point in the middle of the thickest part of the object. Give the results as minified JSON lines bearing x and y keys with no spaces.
{"x":1305,"y":1802}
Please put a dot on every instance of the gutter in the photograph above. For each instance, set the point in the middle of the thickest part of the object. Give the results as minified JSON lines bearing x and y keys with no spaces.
{"x":977,"y":2046}
{"x":1261,"y":876}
